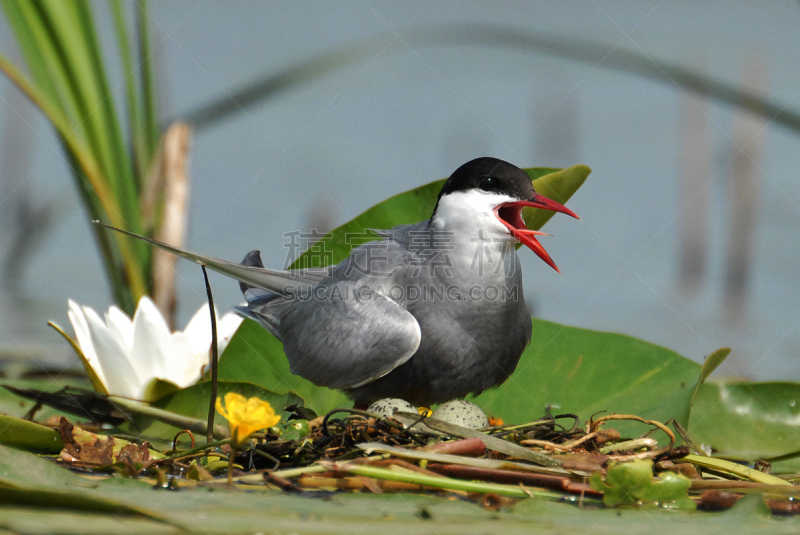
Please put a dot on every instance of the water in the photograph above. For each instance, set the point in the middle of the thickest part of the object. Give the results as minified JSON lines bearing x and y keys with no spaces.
{"x":413,"y":114}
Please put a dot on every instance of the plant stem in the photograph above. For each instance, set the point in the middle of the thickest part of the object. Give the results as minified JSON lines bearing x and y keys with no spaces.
{"x":446,"y":483}
{"x":198,"y":449}
{"x":177,"y":420}
{"x":214,"y":360}
{"x":230,"y":463}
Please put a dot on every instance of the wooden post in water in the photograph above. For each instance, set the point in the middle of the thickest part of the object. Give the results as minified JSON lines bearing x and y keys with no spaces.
{"x":749,"y":132}
{"x":695,"y":181}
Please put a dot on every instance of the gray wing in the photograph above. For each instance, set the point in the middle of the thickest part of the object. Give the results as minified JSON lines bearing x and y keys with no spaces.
{"x":281,"y":282}
{"x":345,"y":335}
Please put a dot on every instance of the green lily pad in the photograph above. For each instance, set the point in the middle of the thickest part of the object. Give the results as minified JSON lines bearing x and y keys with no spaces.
{"x":31,"y":519}
{"x":255,"y":356}
{"x":670,"y":492}
{"x":217,"y":510}
{"x":29,"y":480}
{"x":23,"y":469}
{"x":585,"y":372}
{"x":45,"y":498}
{"x":749,"y":421}
{"x":556,"y":184}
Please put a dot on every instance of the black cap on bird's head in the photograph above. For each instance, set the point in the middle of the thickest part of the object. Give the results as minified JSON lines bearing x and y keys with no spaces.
{"x":490,"y":174}
{"x":499,"y":178}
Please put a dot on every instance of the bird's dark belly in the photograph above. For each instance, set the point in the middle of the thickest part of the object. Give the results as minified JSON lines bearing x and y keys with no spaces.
{"x":467,"y":347}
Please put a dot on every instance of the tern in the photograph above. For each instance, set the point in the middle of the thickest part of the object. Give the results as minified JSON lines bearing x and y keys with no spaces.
{"x":429,"y":312}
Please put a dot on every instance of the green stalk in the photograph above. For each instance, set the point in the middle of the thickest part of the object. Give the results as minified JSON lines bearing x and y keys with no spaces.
{"x":94,"y":191}
{"x":446,"y":483}
{"x":739,"y":470}
{"x":72,"y":64}
{"x":290,"y":473}
{"x":39,"y":51}
{"x":61,"y":48}
{"x":151,"y":130}
{"x":29,"y":48}
{"x":198,"y":449}
{"x":176,"y":420}
{"x":105,"y":96}
{"x":73,"y":34}
{"x":83,"y":156}
{"x":134,"y":119}
{"x":449,"y":458}
{"x":129,"y":192}
{"x":108,"y":254}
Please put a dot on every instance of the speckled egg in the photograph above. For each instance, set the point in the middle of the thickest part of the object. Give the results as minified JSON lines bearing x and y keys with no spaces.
{"x":385,"y":408}
{"x":461,"y":413}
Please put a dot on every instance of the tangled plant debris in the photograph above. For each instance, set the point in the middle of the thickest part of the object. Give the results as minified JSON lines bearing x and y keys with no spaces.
{"x":554,"y":457}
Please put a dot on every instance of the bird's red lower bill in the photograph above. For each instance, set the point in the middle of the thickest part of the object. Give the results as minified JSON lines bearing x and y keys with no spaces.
{"x":510,"y":214}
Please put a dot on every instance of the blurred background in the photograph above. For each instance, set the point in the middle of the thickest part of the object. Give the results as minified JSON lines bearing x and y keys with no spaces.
{"x":304,"y":114}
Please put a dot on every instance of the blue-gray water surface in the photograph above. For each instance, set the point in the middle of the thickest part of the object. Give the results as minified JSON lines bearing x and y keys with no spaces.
{"x":407,"y":114}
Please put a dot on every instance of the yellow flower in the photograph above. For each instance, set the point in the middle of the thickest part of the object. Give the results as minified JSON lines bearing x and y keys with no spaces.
{"x":246,"y":416}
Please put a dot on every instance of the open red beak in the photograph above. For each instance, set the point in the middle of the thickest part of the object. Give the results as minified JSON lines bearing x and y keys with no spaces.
{"x":510,"y":214}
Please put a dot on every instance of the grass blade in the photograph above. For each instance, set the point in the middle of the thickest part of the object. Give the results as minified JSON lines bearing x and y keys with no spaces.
{"x":72,"y":89}
{"x":740,"y":470}
{"x":445,"y":482}
{"x":88,"y":176}
{"x":140,"y":152}
{"x":151,"y":130}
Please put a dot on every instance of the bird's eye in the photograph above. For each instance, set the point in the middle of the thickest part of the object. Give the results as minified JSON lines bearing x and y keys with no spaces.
{"x":487,"y":183}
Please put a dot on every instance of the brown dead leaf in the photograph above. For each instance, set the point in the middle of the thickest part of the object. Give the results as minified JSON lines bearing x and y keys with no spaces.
{"x":134,"y":453}
{"x":89,"y":450}
{"x":84,"y":448}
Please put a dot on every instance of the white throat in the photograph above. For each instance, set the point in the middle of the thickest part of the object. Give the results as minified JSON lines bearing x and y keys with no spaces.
{"x":470,"y":216}
{"x":480,"y":243}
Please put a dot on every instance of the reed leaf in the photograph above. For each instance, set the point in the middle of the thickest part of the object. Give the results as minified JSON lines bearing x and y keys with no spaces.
{"x":151,"y":129}
{"x":69,"y":84}
{"x":140,"y":151}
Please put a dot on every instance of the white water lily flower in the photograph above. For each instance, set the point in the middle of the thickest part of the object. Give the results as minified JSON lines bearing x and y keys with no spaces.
{"x":127,"y":356}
